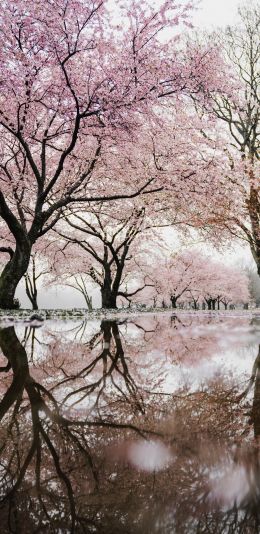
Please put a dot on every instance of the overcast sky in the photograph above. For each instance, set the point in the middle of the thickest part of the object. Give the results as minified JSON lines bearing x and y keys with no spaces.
{"x":214,"y":13}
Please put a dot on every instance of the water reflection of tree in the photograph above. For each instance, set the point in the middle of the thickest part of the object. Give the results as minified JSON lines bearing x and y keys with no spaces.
{"x":47,"y":458}
{"x":112,"y":364}
{"x":53,"y":466}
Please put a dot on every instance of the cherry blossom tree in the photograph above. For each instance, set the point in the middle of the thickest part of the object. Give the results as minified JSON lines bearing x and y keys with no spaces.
{"x":236,"y":111}
{"x":108,"y":233}
{"x":105,"y":247}
{"x":227,"y":285}
{"x":75,"y":89}
{"x":178,"y":275}
{"x":191,"y":276}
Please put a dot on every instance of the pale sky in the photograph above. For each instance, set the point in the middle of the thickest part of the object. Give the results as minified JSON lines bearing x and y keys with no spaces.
{"x":213,"y":13}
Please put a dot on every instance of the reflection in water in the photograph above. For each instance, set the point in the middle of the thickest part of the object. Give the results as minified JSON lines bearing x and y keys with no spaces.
{"x":149,"y":425}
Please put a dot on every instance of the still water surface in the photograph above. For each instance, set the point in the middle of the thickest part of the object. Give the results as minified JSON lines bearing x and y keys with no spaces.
{"x":140,"y":425}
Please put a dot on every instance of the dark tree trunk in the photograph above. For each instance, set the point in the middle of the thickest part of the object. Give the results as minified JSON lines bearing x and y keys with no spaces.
{"x":31,"y":286}
{"x":108,"y":298}
{"x":174,"y":301}
{"x":253,"y":207}
{"x":225,"y":304}
{"x":209,"y":303}
{"x":31,"y":292}
{"x":34,"y":304}
{"x":108,"y":295}
{"x":255,"y":414}
{"x":110,"y":287}
{"x":195,"y":304}
{"x":13,"y":273}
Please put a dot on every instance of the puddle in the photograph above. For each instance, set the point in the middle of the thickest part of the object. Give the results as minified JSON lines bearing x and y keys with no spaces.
{"x":140,"y":425}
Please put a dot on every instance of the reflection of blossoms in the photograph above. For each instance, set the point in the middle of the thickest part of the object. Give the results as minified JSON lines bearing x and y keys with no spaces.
{"x":91,"y":436}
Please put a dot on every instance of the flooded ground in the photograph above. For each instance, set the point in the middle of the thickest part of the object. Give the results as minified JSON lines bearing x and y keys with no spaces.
{"x":143,"y":425}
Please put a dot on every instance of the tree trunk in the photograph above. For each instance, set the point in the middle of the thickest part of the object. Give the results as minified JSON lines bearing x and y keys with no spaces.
{"x":108,"y":296}
{"x":174,"y":301}
{"x":12,"y":274}
{"x":253,"y":207}
{"x":110,"y":287}
{"x":89,"y":303}
{"x":108,"y":299}
{"x":209,"y":303}
{"x":255,"y":414}
{"x":31,"y":292}
{"x":34,"y":304}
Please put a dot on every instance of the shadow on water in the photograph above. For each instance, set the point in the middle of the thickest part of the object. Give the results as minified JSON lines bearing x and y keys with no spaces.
{"x":129,"y":427}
